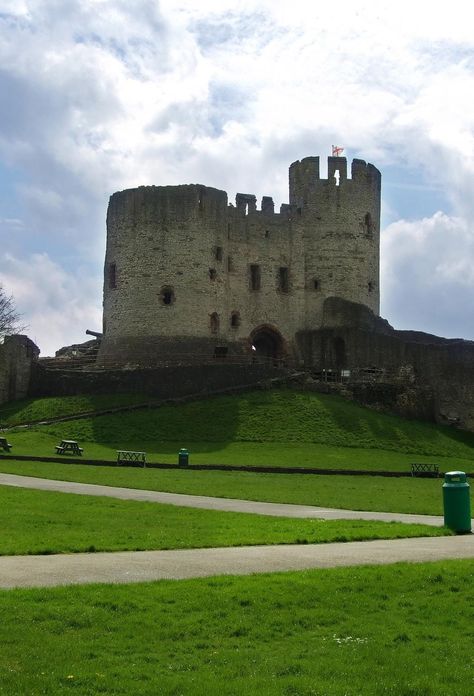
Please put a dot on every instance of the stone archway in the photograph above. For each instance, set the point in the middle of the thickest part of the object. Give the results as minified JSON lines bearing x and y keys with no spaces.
{"x":267,"y":343}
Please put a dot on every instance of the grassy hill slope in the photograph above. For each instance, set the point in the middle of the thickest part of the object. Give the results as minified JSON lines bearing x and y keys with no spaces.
{"x":265,"y":417}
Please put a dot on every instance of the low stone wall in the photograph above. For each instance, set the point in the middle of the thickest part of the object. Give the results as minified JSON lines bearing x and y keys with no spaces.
{"x":159,"y":382}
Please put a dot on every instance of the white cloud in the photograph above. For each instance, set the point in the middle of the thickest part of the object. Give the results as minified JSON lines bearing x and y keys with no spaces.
{"x":56,"y":307}
{"x":428,"y":275}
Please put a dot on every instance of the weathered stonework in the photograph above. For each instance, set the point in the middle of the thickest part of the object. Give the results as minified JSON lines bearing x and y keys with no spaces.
{"x":186,"y":273}
{"x":17,"y":355}
{"x":409,"y":372}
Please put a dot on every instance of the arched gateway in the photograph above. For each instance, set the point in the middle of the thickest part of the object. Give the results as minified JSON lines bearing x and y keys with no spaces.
{"x":267,"y":342}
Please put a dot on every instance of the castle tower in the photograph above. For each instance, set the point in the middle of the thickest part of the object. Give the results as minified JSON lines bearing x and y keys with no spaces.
{"x":157,"y":294}
{"x":186,"y":274}
{"x":340,"y":219}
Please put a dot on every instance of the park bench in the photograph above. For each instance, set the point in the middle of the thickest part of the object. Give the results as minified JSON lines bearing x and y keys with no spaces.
{"x":424,"y":470}
{"x":125,"y":456}
{"x":69,"y":447}
{"x":4,"y":445}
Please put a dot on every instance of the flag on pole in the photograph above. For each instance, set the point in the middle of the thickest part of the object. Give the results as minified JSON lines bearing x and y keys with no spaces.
{"x":336,"y":150}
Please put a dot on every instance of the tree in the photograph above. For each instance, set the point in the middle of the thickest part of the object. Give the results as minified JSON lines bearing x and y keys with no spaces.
{"x":9,"y":317}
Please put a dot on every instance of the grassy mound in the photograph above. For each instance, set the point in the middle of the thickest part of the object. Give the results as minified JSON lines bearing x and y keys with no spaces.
{"x":283,"y":416}
{"x":31,"y":410}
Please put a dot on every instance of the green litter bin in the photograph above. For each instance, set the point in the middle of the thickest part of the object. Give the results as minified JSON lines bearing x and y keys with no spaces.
{"x":457,"y":502}
{"x":183,"y":457}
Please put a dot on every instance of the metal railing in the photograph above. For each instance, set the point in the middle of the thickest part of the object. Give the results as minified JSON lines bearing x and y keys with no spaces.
{"x":364,"y":375}
{"x":91,"y":362}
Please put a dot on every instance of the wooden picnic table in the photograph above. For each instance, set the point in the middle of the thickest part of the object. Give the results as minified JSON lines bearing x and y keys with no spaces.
{"x":69,"y":447}
{"x":4,"y":445}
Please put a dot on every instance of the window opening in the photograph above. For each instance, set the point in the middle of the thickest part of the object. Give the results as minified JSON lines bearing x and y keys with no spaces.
{"x":283,"y":281}
{"x":337,"y":176}
{"x":235,"y":320}
{"x":368,"y":223}
{"x":167,"y":296}
{"x":255,"y":277}
{"x":267,"y":234}
{"x":371,"y":286}
{"x":212,"y":273}
{"x":316,"y":284}
{"x":219,"y":253}
{"x":112,"y":276}
{"x":214,"y":322}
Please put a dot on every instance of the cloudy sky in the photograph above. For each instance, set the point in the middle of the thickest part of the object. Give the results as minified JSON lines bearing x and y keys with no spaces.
{"x":101,"y":95}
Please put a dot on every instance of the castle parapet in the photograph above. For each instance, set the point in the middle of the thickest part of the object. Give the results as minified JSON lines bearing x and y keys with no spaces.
{"x":361,"y":171}
{"x":268,"y":206}
{"x":246,"y":202}
{"x":305,"y":181}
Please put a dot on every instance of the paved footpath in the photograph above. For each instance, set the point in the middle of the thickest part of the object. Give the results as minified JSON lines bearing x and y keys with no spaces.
{"x":141,"y":566}
{"x":208,"y":503}
{"x":124,"y":567}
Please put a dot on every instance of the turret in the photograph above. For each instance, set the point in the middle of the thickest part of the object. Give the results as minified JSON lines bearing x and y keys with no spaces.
{"x":340,"y":219}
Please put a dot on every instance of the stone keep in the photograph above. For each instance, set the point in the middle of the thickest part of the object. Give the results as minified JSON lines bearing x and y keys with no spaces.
{"x":189,"y":275}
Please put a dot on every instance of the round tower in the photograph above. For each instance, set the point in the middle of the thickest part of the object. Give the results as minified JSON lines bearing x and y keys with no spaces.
{"x":162,"y":244}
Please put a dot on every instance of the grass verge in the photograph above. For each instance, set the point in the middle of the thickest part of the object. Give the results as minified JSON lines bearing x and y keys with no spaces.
{"x":403,"y":630}
{"x":43,"y":522}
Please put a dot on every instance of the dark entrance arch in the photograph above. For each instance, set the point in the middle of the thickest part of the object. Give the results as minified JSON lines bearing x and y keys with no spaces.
{"x":267,"y":343}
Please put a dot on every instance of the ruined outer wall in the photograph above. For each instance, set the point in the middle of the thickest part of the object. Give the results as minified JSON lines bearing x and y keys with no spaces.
{"x":443,"y":366}
{"x":340,"y":221}
{"x":17,"y":354}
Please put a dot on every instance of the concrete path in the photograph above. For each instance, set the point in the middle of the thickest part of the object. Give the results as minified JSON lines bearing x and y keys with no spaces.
{"x":124,"y":567}
{"x":208,"y":503}
{"x":141,"y":566}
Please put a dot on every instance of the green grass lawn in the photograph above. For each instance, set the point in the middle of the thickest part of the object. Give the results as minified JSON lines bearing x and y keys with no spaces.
{"x":43,"y":522}
{"x":402,"y":630}
{"x":269,"y":454}
{"x":415,"y":495}
{"x":266,"y":428}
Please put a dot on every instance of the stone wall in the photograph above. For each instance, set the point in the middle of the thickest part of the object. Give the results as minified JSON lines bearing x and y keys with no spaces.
{"x":160,"y":383}
{"x":17,"y":355}
{"x":439,"y":370}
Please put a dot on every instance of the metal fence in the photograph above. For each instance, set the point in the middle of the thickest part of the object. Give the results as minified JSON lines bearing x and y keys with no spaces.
{"x":90,"y":362}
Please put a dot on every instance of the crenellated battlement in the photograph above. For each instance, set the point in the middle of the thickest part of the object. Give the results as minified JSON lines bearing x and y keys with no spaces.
{"x":305,"y":181}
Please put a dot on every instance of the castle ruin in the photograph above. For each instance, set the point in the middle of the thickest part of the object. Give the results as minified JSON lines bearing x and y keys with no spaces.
{"x":201,"y":296}
{"x":188,"y":274}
